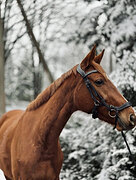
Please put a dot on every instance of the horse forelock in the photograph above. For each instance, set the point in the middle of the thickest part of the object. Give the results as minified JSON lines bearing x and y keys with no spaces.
{"x":44,"y":96}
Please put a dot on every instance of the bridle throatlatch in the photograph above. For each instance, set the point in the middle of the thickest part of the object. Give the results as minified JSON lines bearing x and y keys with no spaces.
{"x":99,"y":101}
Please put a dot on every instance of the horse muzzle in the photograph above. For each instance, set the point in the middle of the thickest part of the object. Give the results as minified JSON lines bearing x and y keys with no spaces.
{"x":127,"y":126}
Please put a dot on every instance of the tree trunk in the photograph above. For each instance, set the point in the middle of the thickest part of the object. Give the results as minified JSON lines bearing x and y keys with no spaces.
{"x":34,"y":41}
{"x":2,"y":93}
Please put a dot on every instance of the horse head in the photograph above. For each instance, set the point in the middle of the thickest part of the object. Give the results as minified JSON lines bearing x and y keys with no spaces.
{"x":95,"y":93}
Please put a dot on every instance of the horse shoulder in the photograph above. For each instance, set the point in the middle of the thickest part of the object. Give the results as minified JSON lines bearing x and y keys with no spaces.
{"x":8,"y":123}
{"x":10,"y":114}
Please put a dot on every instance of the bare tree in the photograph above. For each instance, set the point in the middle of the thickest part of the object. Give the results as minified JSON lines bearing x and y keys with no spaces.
{"x":2,"y":93}
{"x":47,"y":25}
{"x":35,"y":42}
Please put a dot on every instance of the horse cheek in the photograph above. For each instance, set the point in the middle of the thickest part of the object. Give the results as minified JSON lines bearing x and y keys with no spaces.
{"x":82,"y":99}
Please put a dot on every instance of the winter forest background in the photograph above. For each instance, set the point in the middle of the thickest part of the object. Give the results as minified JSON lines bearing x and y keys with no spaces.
{"x":40,"y":40}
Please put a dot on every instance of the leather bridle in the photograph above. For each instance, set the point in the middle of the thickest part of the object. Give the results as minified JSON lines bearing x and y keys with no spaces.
{"x":99,"y":100}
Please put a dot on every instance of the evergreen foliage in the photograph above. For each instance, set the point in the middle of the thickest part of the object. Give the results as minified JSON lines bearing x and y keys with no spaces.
{"x":94,"y":151}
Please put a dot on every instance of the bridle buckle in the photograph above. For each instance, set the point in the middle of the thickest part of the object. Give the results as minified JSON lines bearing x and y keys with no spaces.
{"x":112,"y":112}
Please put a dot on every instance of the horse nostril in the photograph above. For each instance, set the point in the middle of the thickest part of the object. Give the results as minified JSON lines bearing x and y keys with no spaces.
{"x":133,"y":119}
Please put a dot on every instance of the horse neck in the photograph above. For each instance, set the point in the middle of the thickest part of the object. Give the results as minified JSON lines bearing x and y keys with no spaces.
{"x":56,"y":112}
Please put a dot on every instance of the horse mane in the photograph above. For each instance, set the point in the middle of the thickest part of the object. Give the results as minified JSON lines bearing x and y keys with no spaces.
{"x":44,"y":96}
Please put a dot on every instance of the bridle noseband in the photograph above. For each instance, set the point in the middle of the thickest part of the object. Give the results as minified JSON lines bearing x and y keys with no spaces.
{"x":99,"y":100}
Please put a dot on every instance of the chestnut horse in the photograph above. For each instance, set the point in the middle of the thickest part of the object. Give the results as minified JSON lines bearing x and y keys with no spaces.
{"x":29,"y":140}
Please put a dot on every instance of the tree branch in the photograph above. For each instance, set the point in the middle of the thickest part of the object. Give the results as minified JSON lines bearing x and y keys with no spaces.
{"x":8,"y":51}
{"x":34,"y":41}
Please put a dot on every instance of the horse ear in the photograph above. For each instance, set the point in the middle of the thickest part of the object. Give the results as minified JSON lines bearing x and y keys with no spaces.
{"x":89,"y":58}
{"x":98,"y":58}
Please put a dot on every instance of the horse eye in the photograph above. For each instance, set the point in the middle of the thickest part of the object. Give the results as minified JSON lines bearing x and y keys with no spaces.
{"x":99,"y":82}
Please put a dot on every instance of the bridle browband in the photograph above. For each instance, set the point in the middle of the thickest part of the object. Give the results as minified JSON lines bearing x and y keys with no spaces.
{"x":99,"y":100}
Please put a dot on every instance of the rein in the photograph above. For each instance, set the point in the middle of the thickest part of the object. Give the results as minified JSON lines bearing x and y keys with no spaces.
{"x":131,"y":155}
{"x":99,"y":101}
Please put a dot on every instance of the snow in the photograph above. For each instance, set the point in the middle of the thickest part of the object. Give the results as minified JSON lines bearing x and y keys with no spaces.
{"x":93,"y":147}
{"x":103,"y":175}
{"x":2,"y":177}
{"x":93,"y":151}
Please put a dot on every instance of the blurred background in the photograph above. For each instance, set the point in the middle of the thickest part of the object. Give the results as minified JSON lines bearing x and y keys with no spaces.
{"x":40,"y":40}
